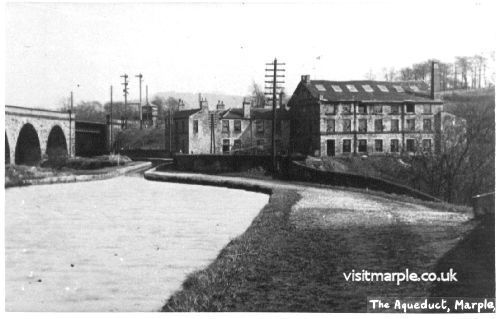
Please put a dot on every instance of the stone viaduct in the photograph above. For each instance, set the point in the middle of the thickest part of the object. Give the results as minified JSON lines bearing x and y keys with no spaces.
{"x":32,"y":135}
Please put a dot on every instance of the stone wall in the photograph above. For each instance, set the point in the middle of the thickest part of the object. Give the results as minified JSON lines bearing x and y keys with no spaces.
{"x":43,"y":121}
{"x":217,"y":163}
{"x":300,"y":172}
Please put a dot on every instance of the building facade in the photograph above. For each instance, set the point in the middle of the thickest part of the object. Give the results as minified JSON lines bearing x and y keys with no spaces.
{"x":331,"y":118}
{"x":244,"y":130}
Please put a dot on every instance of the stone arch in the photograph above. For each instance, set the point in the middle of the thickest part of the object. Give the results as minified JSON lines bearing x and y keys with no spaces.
{"x":56,"y":144}
{"x":28,"y":151}
{"x":7,"y":150}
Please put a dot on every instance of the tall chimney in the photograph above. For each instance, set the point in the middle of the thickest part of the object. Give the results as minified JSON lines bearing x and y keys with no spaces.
{"x":306,"y":78}
{"x":203,"y":104}
{"x":246,"y":109}
{"x":435,"y":82}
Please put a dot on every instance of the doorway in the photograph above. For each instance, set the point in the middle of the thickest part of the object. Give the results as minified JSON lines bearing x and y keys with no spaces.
{"x":330,"y":147}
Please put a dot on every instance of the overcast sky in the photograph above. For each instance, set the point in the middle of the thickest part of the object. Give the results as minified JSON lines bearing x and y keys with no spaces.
{"x":52,"y":49}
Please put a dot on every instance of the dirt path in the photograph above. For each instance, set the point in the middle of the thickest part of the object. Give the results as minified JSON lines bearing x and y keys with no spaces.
{"x":354,"y":231}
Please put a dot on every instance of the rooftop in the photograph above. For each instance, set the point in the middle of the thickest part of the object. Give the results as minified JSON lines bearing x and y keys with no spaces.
{"x":369,"y":91}
{"x":255,"y":113}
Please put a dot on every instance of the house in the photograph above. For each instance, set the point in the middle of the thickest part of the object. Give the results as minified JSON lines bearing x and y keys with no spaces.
{"x":338,"y":118}
{"x":224,"y":130}
{"x":249,"y":130}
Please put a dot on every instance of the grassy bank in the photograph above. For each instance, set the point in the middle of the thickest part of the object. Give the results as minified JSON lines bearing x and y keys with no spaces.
{"x":290,"y":260}
{"x":474,"y":258}
{"x":21,"y":175}
{"x":243,"y":268}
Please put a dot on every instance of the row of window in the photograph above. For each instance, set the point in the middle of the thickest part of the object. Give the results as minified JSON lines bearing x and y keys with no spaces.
{"x":378,"y":124}
{"x":259,"y":125}
{"x":373,"y":109}
{"x":182,"y":127}
{"x":379,"y":145}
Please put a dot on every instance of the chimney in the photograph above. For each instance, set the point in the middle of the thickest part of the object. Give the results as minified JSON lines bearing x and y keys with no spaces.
{"x":203,"y":103}
{"x":435,"y":83}
{"x":220,"y":105}
{"x":181,"y":104}
{"x":305,"y":79}
{"x":246,"y":109}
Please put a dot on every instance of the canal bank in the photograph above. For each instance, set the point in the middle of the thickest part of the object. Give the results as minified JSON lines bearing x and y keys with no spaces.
{"x":295,"y":252}
{"x":54,"y":177}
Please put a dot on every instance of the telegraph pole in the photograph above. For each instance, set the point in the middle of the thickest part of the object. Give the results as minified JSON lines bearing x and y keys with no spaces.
{"x":212,"y":134}
{"x":274,"y":88}
{"x":140,"y":98}
{"x":111,"y":116}
{"x":70,"y":111}
{"x":125,"y":89}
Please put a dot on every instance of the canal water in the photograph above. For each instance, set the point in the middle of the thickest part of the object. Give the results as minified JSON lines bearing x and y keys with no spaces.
{"x":124,"y":244}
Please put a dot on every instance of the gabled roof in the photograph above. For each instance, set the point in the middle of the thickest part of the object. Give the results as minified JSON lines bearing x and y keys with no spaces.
{"x":369,"y":91}
{"x":256,"y":113}
{"x":233,"y":113}
{"x":185,"y":113}
{"x":267,"y":114}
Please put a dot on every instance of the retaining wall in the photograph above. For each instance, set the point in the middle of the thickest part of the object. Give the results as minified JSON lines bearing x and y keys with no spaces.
{"x":221,"y":163}
{"x":300,"y":172}
{"x":484,"y":204}
{"x":139,"y":153}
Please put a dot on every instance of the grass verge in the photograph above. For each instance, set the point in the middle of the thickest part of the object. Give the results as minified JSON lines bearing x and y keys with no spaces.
{"x":238,"y":270}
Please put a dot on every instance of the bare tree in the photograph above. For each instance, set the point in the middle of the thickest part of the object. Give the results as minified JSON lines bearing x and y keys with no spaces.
{"x":406,"y":74}
{"x":87,"y":111}
{"x":370,"y":75}
{"x":258,"y":96}
{"x":389,"y":74}
{"x":463,"y":64}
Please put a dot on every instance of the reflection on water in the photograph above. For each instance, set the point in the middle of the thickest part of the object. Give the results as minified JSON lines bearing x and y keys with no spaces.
{"x":123,"y":244}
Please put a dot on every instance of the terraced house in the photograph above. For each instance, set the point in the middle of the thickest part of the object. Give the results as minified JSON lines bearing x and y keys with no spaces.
{"x":244,"y":130}
{"x":332,"y":118}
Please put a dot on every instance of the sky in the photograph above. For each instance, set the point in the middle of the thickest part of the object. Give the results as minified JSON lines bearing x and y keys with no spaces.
{"x":55,"y":48}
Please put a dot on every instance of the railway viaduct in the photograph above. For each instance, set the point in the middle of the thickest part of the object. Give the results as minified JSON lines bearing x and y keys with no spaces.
{"x":32,"y":135}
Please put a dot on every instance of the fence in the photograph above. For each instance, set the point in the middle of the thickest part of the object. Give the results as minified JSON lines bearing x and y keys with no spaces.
{"x":301,"y":172}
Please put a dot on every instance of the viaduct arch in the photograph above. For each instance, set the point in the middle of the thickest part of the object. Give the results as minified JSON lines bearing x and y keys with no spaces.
{"x":32,"y":135}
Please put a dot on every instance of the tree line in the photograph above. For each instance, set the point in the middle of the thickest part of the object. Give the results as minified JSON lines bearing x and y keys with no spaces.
{"x":466,"y":166}
{"x":95,"y":111}
{"x":465,"y":72}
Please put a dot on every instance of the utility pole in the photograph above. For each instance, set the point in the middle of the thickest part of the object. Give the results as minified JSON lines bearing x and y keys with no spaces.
{"x":140,"y":98}
{"x":125,"y":89}
{"x":70,"y":111}
{"x":111,"y":116}
{"x":212,"y":133}
{"x":170,"y":122}
{"x":274,"y":88}
{"x":147,"y":107}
